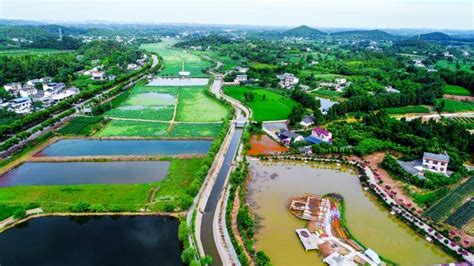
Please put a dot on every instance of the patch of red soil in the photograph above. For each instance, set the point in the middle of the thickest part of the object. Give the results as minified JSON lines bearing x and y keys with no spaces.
{"x":264,"y":145}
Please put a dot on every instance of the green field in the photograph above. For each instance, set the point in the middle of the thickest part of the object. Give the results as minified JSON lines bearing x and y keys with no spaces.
{"x":195,"y":106}
{"x":407,"y":109}
{"x":452,"y":65}
{"x":173,"y":59}
{"x":456,"y":90}
{"x":453,"y":106}
{"x":123,"y":128}
{"x":18,"y":52}
{"x":467,"y":121}
{"x":453,"y":200}
{"x":82,"y":125}
{"x":146,"y":102}
{"x":267,"y":105}
{"x":111,"y":196}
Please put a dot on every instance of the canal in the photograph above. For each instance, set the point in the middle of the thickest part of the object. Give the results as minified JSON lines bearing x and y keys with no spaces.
{"x":271,"y":186}
{"x":207,"y":229}
{"x":73,"y":173}
{"x":96,"y":147}
{"x":92,"y":240}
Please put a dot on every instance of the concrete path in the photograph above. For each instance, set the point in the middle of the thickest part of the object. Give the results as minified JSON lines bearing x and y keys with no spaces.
{"x":11,"y":220}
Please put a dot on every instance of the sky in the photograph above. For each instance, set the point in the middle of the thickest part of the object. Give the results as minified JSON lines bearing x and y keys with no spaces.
{"x":381,"y":14}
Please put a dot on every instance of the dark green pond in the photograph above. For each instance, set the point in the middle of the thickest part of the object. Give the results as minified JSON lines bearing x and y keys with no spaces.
{"x":89,"y":240}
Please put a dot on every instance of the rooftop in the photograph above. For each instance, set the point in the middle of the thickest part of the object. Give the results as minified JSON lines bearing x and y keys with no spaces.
{"x":437,"y":157}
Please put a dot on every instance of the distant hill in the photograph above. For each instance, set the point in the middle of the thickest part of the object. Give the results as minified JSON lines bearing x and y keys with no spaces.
{"x":304,"y":32}
{"x":433,"y":36}
{"x":364,"y":34}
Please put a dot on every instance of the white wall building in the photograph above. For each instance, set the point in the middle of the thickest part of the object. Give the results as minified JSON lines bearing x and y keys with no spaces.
{"x":13,"y":87}
{"x":437,"y":163}
{"x":288,"y":80}
{"x":20,"y":105}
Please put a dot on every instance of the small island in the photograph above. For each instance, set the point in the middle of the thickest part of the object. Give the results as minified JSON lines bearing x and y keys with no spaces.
{"x":325,"y":230}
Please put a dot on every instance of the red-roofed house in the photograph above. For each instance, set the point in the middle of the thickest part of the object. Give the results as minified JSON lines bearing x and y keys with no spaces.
{"x":322,"y":134}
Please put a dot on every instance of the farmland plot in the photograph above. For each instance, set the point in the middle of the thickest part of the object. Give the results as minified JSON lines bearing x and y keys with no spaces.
{"x":462,"y":215}
{"x":444,"y":207}
{"x":195,"y":106}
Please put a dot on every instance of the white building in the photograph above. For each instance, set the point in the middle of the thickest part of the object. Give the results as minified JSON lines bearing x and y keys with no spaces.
{"x":13,"y":87}
{"x":132,"y":66}
{"x":97,"y":75}
{"x":64,"y":94}
{"x":390,"y":89}
{"x":307,"y":121}
{"x":20,"y":105}
{"x":322,"y":134}
{"x":28,"y":91}
{"x":336,"y":259}
{"x":437,"y":163}
{"x":418,"y":63}
{"x":240,"y":78}
{"x":32,"y":82}
{"x":287,"y":80}
{"x":53,"y":86}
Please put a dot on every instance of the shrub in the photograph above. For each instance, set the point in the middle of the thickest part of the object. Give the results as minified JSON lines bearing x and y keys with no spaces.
{"x":80,"y":207}
{"x":19,"y":213}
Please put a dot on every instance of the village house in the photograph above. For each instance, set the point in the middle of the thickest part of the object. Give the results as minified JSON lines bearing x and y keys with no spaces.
{"x":319,"y":135}
{"x":20,"y":105}
{"x":63,"y":94}
{"x":287,"y":80}
{"x":132,"y":66}
{"x":287,"y":137}
{"x":437,"y":163}
{"x":97,"y":75}
{"x":240,"y":78}
{"x":307,"y":121}
{"x":418,"y":63}
{"x":336,"y":259}
{"x":448,"y":55}
{"x":53,"y":86}
{"x":33,"y":82}
{"x":111,"y":77}
{"x":242,"y":70}
{"x":28,"y":91}
{"x":13,"y":87}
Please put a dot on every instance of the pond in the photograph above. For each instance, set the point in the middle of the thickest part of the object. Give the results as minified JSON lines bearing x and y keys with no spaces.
{"x":326,"y":104}
{"x":96,"y":147}
{"x":273,"y":184}
{"x":73,"y":173}
{"x":92,"y":240}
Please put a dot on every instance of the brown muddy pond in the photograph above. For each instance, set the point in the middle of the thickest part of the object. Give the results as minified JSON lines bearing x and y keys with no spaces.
{"x":263,"y":144}
{"x":272,"y":184}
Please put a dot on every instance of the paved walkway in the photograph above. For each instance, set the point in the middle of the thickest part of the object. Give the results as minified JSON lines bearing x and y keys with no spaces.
{"x":11,"y":220}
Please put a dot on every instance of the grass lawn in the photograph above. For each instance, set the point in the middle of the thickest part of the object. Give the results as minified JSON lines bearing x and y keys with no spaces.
{"x":329,"y":93}
{"x":173,"y":188}
{"x":267,"y":105}
{"x":195,"y":106}
{"x":452,"y":106}
{"x":173,"y":59}
{"x":407,"y":109}
{"x":456,"y":90}
{"x":117,"y":197}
